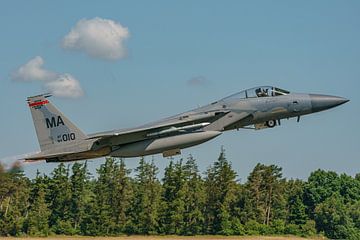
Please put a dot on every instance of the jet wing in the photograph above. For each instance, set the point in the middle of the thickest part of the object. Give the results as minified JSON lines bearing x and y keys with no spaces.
{"x":75,"y":151}
{"x":42,"y":156}
{"x":68,"y":156}
{"x":172,"y":125}
{"x":230,"y":121}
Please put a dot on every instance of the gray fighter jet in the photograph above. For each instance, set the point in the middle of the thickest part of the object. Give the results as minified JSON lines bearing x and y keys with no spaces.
{"x":257,"y":108}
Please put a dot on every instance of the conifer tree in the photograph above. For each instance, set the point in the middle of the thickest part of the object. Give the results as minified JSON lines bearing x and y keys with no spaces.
{"x":101,"y":222}
{"x":173,"y":198}
{"x":220,"y":184}
{"x":111,"y":200}
{"x":37,"y":223}
{"x":147,"y":199}
{"x":122,"y":195}
{"x":254,"y":200}
{"x":275,"y":202}
{"x":60,"y":201}
{"x":79,"y":194}
{"x":194,"y":199}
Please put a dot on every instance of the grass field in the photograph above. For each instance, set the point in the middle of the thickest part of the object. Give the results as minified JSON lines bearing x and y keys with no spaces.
{"x":170,"y":238}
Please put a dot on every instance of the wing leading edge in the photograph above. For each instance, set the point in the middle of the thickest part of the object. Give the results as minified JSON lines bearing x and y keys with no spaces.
{"x":173,"y":125}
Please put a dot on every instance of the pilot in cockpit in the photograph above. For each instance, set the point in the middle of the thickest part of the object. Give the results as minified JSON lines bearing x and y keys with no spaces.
{"x":261,"y":92}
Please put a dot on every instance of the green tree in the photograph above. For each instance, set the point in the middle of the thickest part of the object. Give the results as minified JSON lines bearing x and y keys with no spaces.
{"x":111,"y":201}
{"x":6,"y":190}
{"x":173,"y":198}
{"x":349,"y":188}
{"x":354,"y":212}
{"x":194,"y":199}
{"x":220,"y":185}
{"x":357,"y":177}
{"x":101,"y":221}
{"x":79,"y":182}
{"x":14,"y":200}
{"x":265,"y":198}
{"x":60,"y":201}
{"x":147,"y":200}
{"x":320,"y":186}
{"x":39,"y":213}
{"x":183,"y":198}
{"x":121,"y":197}
{"x":274,"y":194}
{"x":5,"y":187}
{"x":331,"y":217}
{"x":295,"y":205}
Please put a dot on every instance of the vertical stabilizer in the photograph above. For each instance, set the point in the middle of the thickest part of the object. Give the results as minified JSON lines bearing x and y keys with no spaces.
{"x":53,"y":129}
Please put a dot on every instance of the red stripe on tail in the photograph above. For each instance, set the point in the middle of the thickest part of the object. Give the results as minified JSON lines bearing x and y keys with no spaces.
{"x":38,"y":103}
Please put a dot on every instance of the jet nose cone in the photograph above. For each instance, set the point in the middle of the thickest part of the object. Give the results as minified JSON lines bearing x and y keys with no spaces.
{"x":322,"y":102}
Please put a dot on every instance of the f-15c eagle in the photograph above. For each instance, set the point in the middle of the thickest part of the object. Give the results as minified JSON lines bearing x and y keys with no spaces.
{"x":257,"y":108}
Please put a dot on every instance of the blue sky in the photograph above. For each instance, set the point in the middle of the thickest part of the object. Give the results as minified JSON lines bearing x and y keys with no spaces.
{"x":226,"y":46}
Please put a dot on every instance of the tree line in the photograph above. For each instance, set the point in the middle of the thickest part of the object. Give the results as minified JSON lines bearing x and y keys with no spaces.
{"x":184,"y":202}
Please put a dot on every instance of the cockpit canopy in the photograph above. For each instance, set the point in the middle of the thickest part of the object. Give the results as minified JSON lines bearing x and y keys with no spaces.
{"x":264,"y":91}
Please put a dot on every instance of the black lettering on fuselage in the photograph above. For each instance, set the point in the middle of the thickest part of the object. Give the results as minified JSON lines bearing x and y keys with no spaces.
{"x":53,"y":122}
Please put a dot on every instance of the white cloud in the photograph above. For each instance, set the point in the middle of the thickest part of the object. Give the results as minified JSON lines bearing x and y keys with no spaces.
{"x":97,"y":37}
{"x":59,"y":84}
{"x":33,"y":71}
{"x":65,"y":86}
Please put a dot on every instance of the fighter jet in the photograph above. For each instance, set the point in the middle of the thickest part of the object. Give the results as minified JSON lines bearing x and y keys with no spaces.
{"x":256,"y":108}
